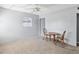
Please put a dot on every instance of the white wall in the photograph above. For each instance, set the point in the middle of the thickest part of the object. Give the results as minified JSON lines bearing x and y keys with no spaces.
{"x":64,"y":19}
{"x":11,"y":25}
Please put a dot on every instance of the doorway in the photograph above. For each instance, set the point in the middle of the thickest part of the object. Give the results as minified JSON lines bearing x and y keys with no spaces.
{"x":42,"y":25}
{"x":77,"y":29}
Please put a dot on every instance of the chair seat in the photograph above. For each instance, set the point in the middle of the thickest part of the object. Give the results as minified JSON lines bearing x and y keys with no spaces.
{"x":58,"y":38}
{"x":61,"y":38}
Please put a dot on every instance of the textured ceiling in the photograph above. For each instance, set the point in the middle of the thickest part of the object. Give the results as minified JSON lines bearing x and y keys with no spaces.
{"x":30,"y":7}
{"x":27,"y":6}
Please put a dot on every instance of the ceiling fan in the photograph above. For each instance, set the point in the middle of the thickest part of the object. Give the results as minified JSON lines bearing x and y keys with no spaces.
{"x":36,"y":9}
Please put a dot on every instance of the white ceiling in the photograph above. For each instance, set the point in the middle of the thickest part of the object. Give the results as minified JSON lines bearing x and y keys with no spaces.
{"x":26,"y":6}
{"x":29,"y":7}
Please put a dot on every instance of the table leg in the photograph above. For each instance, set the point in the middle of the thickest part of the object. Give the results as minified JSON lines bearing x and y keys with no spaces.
{"x":50,"y":37}
{"x":54,"y":39}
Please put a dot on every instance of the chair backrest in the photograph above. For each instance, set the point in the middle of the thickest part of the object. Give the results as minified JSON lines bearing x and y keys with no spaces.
{"x":62,"y":38}
{"x":44,"y":30}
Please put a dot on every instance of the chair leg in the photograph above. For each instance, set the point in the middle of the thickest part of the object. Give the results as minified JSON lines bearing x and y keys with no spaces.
{"x":43,"y":38}
{"x":46,"y":38}
{"x":55,"y":41}
{"x":62,"y":42}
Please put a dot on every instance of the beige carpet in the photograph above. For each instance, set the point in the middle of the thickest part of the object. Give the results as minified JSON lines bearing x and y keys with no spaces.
{"x":35,"y":46}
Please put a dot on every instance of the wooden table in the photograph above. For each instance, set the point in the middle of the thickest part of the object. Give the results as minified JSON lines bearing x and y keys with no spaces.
{"x":52,"y":34}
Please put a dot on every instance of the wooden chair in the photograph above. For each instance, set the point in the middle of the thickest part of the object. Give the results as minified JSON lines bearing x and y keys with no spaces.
{"x":60,"y":38}
{"x":45,"y":34}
